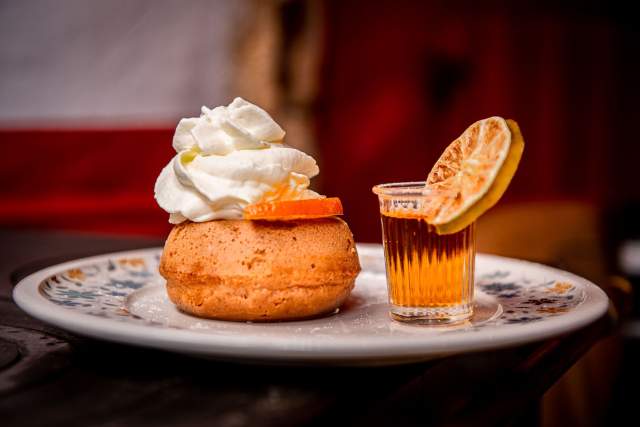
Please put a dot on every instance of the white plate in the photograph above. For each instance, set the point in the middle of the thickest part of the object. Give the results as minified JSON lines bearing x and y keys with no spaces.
{"x":120,"y":297}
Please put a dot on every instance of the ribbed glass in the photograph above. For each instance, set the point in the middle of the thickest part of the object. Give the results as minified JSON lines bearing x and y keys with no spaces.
{"x":430,"y":277}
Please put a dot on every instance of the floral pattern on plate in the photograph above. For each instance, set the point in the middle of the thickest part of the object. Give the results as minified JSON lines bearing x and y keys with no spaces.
{"x":102,"y":289}
{"x":525,"y":301}
{"x":121,"y":297}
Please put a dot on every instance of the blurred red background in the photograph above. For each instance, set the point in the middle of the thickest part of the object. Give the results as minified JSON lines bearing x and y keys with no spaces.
{"x":404,"y":79}
{"x":398,"y":81}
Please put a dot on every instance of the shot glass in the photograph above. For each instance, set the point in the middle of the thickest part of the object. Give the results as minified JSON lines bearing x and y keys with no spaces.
{"x":430,"y":276}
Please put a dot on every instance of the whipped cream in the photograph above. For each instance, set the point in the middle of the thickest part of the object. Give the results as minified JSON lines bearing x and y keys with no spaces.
{"x":228,"y":158}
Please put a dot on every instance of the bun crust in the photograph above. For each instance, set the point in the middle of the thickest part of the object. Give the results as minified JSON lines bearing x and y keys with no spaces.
{"x":260,"y":270}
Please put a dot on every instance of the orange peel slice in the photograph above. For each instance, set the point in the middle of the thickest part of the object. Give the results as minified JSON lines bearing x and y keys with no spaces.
{"x":294,"y":209}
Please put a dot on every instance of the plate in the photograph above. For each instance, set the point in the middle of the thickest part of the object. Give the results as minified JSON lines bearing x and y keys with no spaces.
{"x":121,"y":297}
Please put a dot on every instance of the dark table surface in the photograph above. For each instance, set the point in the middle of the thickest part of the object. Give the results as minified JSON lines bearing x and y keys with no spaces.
{"x":49,"y":377}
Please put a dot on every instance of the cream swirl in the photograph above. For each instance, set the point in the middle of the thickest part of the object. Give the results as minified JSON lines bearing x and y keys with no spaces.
{"x":228,"y":158}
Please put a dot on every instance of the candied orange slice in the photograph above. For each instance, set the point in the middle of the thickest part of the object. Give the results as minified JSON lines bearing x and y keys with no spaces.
{"x":294,"y":209}
{"x":472,"y":174}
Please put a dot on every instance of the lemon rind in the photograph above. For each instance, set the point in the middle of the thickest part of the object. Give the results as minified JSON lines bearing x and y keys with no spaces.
{"x":495,"y":191}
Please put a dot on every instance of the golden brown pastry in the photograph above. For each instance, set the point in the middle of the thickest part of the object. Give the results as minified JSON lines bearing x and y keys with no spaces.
{"x":260,"y":270}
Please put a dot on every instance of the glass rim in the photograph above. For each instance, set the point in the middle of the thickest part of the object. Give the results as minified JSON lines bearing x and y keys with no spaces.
{"x":413,"y":189}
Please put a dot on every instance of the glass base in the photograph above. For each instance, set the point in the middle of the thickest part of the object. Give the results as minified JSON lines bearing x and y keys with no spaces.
{"x":432,"y":315}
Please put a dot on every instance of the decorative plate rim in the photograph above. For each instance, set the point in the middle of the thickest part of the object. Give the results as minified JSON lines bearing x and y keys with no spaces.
{"x":27,"y":296}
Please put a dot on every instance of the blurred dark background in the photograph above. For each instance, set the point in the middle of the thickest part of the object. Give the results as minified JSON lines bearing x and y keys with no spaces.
{"x":402,"y":79}
{"x":90,"y":93}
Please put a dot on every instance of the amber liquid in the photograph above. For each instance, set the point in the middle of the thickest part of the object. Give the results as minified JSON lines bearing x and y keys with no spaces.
{"x":425,"y":269}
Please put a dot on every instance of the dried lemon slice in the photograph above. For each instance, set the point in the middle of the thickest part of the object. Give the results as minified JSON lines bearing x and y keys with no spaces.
{"x":472,"y":174}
